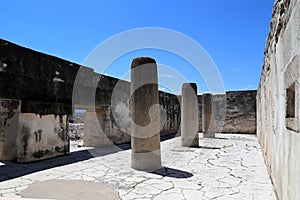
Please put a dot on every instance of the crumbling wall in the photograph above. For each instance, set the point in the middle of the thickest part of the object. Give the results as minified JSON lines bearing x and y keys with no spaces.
{"x":233,"y":112}
{"x":278,"y":99}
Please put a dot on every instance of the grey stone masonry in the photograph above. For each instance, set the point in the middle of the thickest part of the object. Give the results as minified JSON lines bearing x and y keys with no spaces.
{"x":189,"y":115}
{"x":145,"y":119}
{"x":207,"y":116}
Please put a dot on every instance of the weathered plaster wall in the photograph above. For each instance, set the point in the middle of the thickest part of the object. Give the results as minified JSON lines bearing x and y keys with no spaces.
{"x":26,"y":137}
{"x":41,"y":137}
{"x":9,"y":117}
{"x":279,"y":139}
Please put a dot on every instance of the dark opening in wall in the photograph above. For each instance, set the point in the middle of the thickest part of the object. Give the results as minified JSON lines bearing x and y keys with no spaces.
{"x":291,"y":117}
{"x":290,"y":101}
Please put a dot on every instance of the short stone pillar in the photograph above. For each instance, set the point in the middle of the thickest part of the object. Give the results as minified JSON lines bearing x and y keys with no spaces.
{"x":189,"y":115}
{"x":207,"y":116}
{"x":145,"y":118}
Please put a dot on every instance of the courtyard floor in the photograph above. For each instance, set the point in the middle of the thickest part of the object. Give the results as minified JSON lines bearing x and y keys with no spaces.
{"x":229,"y":166}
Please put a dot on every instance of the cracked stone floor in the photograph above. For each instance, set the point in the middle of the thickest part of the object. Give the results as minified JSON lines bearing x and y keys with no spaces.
{"x":227,"y":167}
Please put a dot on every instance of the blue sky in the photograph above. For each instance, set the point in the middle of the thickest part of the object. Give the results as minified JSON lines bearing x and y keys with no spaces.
{"x":233,"y":33}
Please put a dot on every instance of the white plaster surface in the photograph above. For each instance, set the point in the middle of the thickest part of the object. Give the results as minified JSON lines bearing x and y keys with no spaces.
{"x":280,"y":144}
{"x":39,"y":137}
{"x":226,"y":167}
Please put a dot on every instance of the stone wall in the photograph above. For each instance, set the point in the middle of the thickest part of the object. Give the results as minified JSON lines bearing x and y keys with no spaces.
{"x":9,"y":117}
{"x":41,"y":137}
{"x":234,"y":112}
{"x":26,"y":137}
{"x":240,"y":112}
{"x":48,"y":89}
{"x":278,"y":99}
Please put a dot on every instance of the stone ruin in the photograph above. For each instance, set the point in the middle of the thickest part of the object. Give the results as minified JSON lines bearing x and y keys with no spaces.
{"x":37,"y":96}
{"x":38,"y":92}
{"x":278,"y":99}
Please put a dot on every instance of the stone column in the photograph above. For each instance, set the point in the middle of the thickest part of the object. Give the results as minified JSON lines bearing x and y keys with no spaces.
{"x":145,"y":119}
{"x":207,"y":116}
{"x":189,"y":115}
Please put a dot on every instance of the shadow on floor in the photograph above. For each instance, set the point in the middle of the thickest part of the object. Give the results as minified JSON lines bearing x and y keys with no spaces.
{"x":220,"y":138}
{"x":172,"y":173}
{"x":206,"y":147}
{"x":169,"y":136}
{"x":11,"y":170}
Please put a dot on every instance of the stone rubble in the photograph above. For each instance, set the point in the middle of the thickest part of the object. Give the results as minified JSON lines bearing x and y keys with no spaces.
{"x":76,"y":131}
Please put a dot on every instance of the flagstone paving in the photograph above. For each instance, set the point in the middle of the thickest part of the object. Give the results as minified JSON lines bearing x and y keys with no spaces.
{"x":229,"y":166}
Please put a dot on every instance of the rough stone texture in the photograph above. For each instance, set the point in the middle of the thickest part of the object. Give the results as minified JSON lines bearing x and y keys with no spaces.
{"x":277,"y":131}
{"x":200,"y":112}
{"x":76,"y":131}
{"x":220,"y":105}
{"x":169,"y":113}
{"x":233,"y":112}
{"x":240,"y":112}
{"x":145,"y":117}
{"x":208,"y":117}
{"x":9,"y":117}
{"x":189,"y":115}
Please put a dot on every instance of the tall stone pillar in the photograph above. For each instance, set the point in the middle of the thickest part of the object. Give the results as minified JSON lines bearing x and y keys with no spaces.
{"x":145,"y":118}
{"x":207,"y":116}
{"x":189,"y":115}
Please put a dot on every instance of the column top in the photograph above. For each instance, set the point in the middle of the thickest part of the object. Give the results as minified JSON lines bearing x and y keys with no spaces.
{"x":141,"y":60}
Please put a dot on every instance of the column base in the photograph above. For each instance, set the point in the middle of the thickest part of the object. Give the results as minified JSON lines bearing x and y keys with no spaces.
{"x":148,"y":162}
{"x":189,"y":141}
